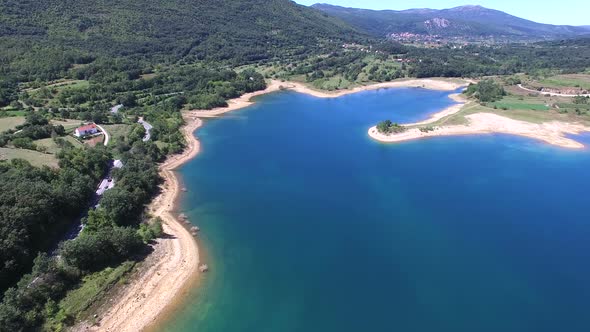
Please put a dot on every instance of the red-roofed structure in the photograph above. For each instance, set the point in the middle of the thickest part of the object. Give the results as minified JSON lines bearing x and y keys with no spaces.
{"x":89,"y":129}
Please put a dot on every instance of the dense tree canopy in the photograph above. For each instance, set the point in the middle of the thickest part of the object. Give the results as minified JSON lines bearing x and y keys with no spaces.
{"x":486,"y":91}
{"x":35,"y":207}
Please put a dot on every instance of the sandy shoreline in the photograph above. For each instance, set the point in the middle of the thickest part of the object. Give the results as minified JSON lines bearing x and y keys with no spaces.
{"x":461,"y":101}
{"x":245,"y":100}
{"x":169,"y":271}
{"x":553,"y":132}
{"x":427,"y":83}
{"x":172,"y":269}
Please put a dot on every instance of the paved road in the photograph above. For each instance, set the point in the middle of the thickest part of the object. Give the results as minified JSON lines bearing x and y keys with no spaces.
{"x":116,"y":109}
{"x":106,"y":135}
{"x":108,"y":182}
{"x":76,"y":227}
{"x":550,"y":93}
{"x":148,"y":129}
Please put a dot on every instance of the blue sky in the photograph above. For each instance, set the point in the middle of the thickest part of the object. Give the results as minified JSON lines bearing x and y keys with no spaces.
{"x":571,"y":12}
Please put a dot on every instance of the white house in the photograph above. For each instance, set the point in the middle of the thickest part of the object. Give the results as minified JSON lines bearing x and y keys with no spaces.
{"x":89,"y":129}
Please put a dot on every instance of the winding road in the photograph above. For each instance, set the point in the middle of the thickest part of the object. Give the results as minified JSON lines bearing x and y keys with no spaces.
{"x":148,"y":129}
{"x":107,"y":138}
{"x":551,"y":93}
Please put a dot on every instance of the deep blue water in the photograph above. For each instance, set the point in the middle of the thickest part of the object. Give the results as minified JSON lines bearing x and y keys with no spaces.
{"x":309,"y":225}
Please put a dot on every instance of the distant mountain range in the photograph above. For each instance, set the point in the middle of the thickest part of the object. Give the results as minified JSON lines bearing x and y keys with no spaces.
{"x":464,"y":21}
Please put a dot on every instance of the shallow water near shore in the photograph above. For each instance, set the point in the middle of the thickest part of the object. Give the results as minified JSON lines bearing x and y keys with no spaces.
{"x":309,"y":225}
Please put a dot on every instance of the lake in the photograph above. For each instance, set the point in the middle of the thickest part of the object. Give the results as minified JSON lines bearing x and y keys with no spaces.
{"x":309,"y":225}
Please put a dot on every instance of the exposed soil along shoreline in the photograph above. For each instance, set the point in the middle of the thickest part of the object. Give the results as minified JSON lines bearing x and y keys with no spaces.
{"x":245,"y":100}
{"x":553,"y":132}
{"x":172,"y":270}
{"x":461,"y":101}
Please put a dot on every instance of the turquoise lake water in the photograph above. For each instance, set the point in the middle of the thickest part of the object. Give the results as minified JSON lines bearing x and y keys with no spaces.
{"x":309,"y":225}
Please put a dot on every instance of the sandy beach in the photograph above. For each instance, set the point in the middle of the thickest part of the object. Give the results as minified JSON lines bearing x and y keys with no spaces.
{"x":553,"y":132}
{"x":461,"y":101}
{"x":167,"y":275}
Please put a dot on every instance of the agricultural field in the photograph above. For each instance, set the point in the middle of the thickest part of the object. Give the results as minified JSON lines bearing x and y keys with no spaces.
{"x":69,"y":124}
{"x":59,"y":85}
{"x":46,"y":148}
{"x":332,"y":83}
{"x":75,"y":84}
{"x":568,"y":81}
{"x":522,"y":103}
{"x":10,"y":123}
{"x":47,"y":95}
{"x":51,"y":147}
{"x":94,"y":141}
{"x":116,"y":131}
{"x":11,"y":112}
{"x":34,"y":157}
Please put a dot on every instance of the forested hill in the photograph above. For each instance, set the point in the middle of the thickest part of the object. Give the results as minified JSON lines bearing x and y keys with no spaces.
{"x":464,"y":21}
{"x":160,"y":30}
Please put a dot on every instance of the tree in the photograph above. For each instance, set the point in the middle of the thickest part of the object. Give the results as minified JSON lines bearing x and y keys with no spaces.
{"x":388,"y":127}
{"x":486,"y":91}
{"x":383,"y":126}
{"x":96,"y":250}
{"x":581,"y":100}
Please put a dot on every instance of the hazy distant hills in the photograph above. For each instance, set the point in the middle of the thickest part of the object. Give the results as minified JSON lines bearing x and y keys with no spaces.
{"x":464,"y":21}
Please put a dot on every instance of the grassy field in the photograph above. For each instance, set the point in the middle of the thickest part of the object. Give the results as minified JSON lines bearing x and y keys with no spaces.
{"x":522,"y":103}
{"x":536,"y":109}
{"x":77,"y":84}
{"x":569,"y":81}
{"x":91,"y":291}
{"x":68,"y":124}
{"x":34,"y":157}
{"x":10,"y":112}
{"x":62,"y":84}
{"x":337,"y":82}
{"x":585,"y":107}
{"x":51,"y":147}
{"x":10,"y":122}
{"x":117,"y":130}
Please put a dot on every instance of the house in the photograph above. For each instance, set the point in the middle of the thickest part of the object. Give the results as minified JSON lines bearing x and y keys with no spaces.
{"x":89,"y":129}
{"x":117,"y":164}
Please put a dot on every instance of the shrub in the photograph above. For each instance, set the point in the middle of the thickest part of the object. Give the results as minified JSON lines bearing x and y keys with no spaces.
{"x":151,"y":231}
{"x":388,"y":127}
{"x":24,"y":143}
{"x":426,"y":129}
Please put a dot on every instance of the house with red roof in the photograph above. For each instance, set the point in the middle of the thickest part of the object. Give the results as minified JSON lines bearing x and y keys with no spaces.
{"x":89,"y":129}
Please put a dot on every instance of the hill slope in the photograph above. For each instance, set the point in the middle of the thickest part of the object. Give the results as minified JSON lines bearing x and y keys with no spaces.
{"x":170,"y":30}
{"x":464,"y":21}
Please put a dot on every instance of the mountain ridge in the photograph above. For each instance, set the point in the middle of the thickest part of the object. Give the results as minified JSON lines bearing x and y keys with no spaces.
{"x":169,"y":30}
{"x":461,"y":21}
